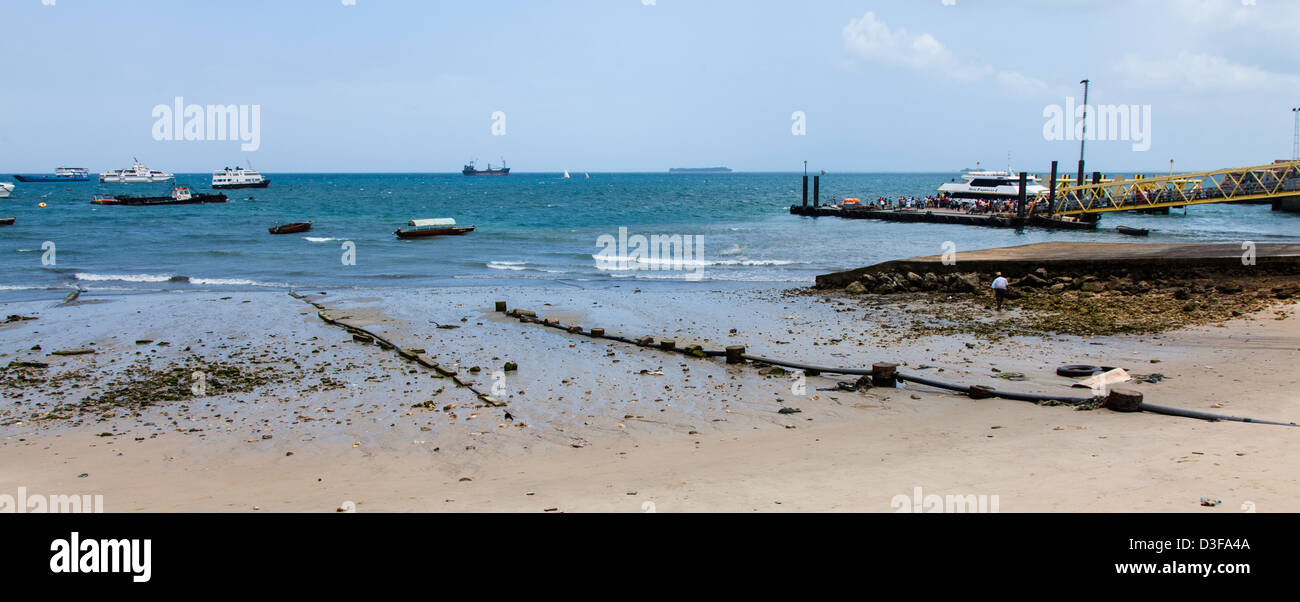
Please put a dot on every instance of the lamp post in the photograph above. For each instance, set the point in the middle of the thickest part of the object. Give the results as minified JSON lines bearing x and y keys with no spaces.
{"x":1295,"y":144}
{"x":1083,"y":140}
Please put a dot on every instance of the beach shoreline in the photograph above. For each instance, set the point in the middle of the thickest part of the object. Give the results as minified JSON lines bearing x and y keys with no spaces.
{"x":598,"y":426}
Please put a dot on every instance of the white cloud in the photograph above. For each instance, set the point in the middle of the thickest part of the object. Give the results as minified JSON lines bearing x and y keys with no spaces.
{"x":1198,"y":72}
{"x":873,"y":40}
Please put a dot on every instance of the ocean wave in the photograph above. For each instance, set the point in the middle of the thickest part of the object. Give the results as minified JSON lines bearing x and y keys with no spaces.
{"x":707,"y":277}
{"x":162,"y":278}
{"x":15,"y":287}
{"x":317,"y":239}
{"x":521,"y":266}
{"x":635,"y":263}
{"x":236,"y":282}
{"x":129,"y":277}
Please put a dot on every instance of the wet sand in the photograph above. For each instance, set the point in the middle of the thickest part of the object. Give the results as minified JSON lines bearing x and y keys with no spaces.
{"x":601,"y":426}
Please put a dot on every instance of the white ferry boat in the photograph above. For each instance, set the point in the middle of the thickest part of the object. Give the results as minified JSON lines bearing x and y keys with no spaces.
{"x":137,"y":174}
{"x":991,"y":185}
{"x":229,"y":179}
{"x":5,"y":189}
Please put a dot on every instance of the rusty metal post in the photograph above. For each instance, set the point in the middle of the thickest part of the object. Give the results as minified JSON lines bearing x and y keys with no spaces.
{"x":1124,"y":400}
{"x":884,"y":375}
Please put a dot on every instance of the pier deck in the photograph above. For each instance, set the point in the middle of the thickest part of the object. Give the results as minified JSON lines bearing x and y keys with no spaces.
{"x":939,"y":216}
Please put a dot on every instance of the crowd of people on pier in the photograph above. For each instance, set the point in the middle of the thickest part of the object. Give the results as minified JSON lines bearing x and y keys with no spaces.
{"x":943,"y":201}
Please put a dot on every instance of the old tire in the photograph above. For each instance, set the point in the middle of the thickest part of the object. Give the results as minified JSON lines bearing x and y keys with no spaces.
{"x":1079,"y":371}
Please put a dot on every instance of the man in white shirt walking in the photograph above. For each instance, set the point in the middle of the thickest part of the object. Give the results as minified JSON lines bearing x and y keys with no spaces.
{"x":1000,"y":289}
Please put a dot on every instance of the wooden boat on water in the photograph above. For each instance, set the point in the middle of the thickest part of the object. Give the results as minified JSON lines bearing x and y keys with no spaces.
{"x":423,"y":228}
{"x":6,"y":221}
{"x":295,"y":228}
{"x":1127,"y":231}
{"x":1062,"y":223}
{"x":180,"y":196}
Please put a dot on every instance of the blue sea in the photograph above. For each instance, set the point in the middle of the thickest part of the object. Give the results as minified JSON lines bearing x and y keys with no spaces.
{"x":532,"y":229}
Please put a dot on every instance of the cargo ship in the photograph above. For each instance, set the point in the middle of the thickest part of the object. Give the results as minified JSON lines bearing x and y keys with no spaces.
{"x":61,"y":174}
{"x":470,"y":170}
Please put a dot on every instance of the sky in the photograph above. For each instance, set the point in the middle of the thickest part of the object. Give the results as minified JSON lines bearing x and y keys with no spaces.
{"x":645,"y":85}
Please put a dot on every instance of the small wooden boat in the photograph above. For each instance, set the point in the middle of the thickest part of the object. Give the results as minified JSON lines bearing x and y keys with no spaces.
{"x":6,"y":221}
{"x":1062,"y":223}
{"x":423,"y":228}
{"x":295,"y":228}
{"x":1127,"y":231}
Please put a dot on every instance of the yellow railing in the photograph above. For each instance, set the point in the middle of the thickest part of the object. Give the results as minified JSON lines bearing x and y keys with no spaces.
{"x":1264,"y":182}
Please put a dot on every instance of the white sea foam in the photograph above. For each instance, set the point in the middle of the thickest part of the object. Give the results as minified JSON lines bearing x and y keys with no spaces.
{"x":690,"y":263}
{"x":235,"y":282}
{"x":123,"y":277}
{"x":317,"y":239}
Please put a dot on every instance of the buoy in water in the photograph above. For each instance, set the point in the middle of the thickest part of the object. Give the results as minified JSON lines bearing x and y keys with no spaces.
{"x":41,"y":205}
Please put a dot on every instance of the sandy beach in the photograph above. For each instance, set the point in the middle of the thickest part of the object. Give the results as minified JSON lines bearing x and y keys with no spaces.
{"x":293,"y":415}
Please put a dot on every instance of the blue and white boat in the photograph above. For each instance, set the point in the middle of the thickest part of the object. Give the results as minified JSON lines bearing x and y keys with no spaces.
{"x":62,"y":174}
{"x":5,"y":189}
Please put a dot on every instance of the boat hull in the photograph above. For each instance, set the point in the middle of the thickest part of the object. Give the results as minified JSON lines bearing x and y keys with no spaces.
{"x":434,"y":232}
{"x":475,"y":173}
{"x":262,"y":184}
{"x":1058,"y":224}
{"x":292,"y":228}
{"x":149,"y":201}
{"x":1127,"y":231}
{"x":6,"y":221}
{"x":46,"y":179}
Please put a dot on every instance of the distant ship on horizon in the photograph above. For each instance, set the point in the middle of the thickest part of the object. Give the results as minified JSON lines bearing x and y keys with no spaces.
{"x":470,"y":170}
{"x":700,"y":170}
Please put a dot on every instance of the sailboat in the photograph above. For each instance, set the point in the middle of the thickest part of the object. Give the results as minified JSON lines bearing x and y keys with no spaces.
{"x":588,"y":175}
{"x":566,"y":174}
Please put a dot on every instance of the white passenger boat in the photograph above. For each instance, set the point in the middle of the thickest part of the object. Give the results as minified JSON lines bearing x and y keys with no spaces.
{"x":137,"y":174}
{"x":991,"y":185}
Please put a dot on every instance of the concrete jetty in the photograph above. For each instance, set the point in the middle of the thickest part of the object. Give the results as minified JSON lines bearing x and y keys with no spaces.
{"x":1134,"y":260}
{"x":940,"y":216}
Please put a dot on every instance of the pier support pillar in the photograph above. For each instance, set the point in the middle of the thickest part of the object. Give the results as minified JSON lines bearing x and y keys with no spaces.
{"x":1051,"y":194}
{"x":805,"y":191}
{"x":817,"y":191}
{"x":1020,"y":200}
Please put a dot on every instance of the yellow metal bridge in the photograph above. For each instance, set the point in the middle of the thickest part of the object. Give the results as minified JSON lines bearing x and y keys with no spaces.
{"x":1263,"y":183}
